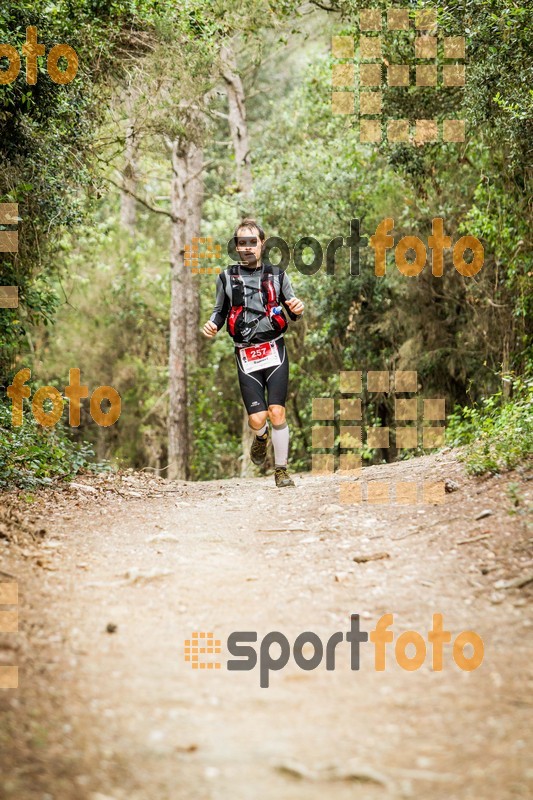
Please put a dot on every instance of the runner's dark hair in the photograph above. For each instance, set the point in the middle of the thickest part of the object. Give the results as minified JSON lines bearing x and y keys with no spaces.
{"x":248,"y":222}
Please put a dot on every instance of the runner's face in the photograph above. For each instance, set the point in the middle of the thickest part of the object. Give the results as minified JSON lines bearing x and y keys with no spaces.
{"x":249,"y":246}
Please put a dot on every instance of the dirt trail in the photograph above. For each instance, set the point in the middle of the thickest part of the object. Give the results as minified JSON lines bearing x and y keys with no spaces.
{"x":121,"y":715}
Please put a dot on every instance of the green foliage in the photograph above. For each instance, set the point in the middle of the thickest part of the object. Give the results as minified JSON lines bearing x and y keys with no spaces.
{"x":32,"y":456}
{"x":498,"y":433}
{"x":108,"y":293}
{"x":117,"y":298}
{"x":47,"y":132}
{"x":215,"y":449}
{"x":515,"y":496}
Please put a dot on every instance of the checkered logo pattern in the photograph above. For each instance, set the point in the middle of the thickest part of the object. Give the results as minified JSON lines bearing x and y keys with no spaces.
{"x":9,"y":623}
{"x":374,"y":72}
{"x":9,"y":243}
{"x":202,"y":644}
{"x":202,"y":249}
{"x":407,"y":435}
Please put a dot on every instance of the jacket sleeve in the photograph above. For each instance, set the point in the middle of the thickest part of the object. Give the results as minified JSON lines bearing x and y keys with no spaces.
{"x":286,"y":292}
{"x":222,"y":304}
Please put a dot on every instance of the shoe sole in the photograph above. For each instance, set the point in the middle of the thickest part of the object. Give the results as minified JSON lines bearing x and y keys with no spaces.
{"x":256,"y":462}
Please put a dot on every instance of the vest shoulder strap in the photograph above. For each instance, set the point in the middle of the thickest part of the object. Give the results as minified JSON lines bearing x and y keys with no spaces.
{"x":231,"y":270}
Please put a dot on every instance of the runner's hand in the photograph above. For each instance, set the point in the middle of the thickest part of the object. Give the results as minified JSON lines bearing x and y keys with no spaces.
{"x":295,"y":305}
{"x":210,"y":329}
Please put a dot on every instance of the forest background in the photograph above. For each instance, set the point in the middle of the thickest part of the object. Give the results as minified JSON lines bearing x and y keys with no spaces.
{"x":182,"y":118}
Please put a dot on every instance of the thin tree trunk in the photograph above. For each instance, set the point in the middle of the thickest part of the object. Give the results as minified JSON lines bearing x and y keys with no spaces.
{"x":128,"y":208}
{"x":241,"y":146}
{"x":195,"y":196}
{"x":178,"y":427}
{"x":506,"y":384}
{"x":238,"y":126}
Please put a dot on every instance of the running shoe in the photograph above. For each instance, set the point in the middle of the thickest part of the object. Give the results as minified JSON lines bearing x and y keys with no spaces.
{"x":282,"y":477}
{"x":258,"y":449}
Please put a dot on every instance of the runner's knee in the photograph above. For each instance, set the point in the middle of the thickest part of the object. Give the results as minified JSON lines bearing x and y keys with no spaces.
{"x":256,"y":421}
{"x":276,"y":414}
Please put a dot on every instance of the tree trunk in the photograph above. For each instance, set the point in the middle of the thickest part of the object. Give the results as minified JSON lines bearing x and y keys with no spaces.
{"x":238,"y":126}
{"x":195,"y":196}
{"x":241,"y":146}
{"x":128,"y":209}
{"x":178,"y":428}
{"x":506,"y":384}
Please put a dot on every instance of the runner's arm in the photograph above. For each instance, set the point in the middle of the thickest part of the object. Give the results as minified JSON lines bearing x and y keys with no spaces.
{"x":286,"y":292}
{"x":222,"y":304}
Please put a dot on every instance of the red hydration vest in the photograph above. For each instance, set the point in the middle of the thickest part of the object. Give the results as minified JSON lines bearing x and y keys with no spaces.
{"x":236,"y":323}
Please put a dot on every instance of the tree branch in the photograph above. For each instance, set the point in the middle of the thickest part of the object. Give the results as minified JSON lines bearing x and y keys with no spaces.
{"x":204,"y":166}
{"x":218,"y":113}
{"x":142,"y":201}
{"x":324,"y":8}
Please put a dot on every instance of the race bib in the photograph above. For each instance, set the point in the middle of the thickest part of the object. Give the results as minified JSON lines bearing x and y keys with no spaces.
{"x":259,"y":356}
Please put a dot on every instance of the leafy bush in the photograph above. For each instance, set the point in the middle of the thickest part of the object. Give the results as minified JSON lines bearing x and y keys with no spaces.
{"x":216,"y":418}
{"x":498,"y":433}
{"x":31,"y":456}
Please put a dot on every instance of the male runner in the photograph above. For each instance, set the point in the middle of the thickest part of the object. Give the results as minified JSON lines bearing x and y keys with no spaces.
{"x":250,"y":296}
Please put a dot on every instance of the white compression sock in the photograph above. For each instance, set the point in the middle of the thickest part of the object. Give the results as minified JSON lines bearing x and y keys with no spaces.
{"x":280,"y":442}
{"x":261,"y":431}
